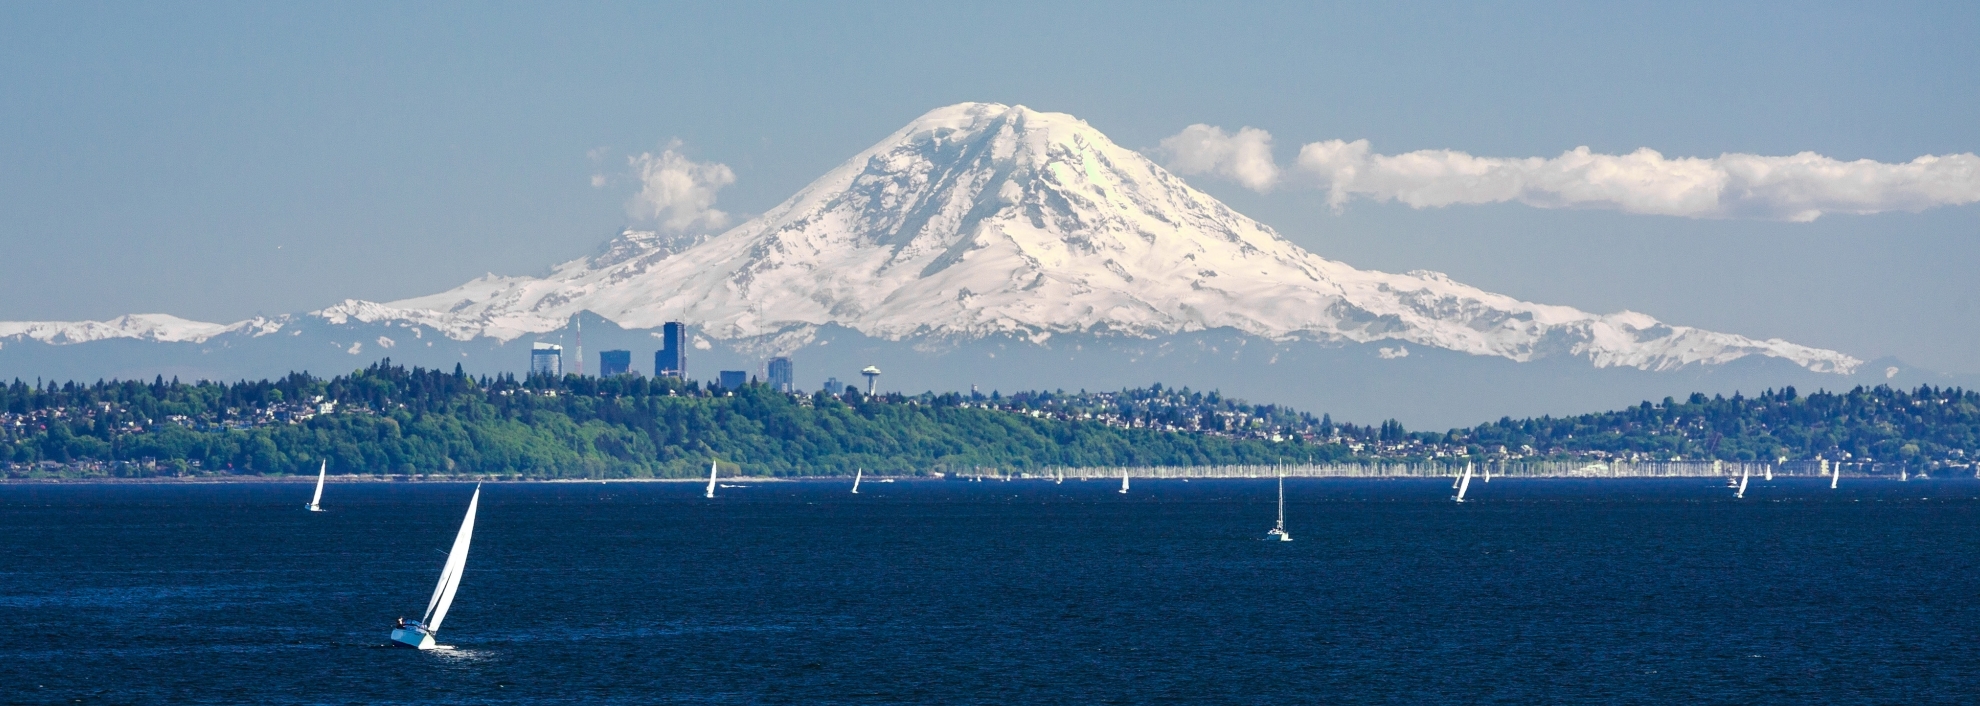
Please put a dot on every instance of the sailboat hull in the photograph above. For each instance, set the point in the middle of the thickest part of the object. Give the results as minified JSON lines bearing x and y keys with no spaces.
{"x":413,"y":638}
{"x":1277,"y":536}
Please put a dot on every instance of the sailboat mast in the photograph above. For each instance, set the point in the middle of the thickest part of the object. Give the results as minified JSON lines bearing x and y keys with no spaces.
{"x":1282,"y":502}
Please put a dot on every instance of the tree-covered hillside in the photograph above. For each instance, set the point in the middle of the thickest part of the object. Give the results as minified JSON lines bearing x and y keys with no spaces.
{"x":391,"y":419}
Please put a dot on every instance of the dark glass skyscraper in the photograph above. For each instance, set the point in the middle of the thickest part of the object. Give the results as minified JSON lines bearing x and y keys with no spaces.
{"x":780,"y":374}
{"x":614,"y":363}
{"x":672,"y":358}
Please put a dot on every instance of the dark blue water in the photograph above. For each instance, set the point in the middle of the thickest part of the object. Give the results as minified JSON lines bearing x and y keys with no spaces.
{"x":1539,"y":591}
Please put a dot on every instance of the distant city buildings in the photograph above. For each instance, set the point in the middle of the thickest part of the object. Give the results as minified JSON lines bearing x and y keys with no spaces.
{"x":834,"y":387}
{"x":780,"y":374}
{"x":671,"y":360}
{"x":733,"y":379}
{"x":546,"y":359}
{"x":614,"y":363}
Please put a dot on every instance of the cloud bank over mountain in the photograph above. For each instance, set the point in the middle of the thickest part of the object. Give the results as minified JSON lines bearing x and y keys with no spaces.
{"x":1800,"y":187}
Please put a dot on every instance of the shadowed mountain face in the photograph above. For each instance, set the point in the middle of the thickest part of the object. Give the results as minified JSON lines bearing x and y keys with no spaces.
{"x":992,"y":233}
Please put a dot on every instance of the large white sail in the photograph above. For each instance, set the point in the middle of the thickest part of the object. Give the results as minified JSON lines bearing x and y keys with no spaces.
{"x":1464,"y":483}
{"x":316,"y":501}
{"x":1836,"y":476}
{"x":450,"y":576}
{"x":711,"y":481}
{"x":1124,"y":481}
{"x":1743,"y":474}
{"x":857,"y":473}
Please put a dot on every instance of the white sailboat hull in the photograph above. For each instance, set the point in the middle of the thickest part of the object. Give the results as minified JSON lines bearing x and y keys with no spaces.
{"x":1277,"y":535}
{"x":415,"y":639}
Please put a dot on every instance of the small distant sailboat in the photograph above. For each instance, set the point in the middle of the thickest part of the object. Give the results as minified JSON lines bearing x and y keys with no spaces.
{"x":316,"y":501}
{"x":1835,"y":476}
{"x":1741,"y":493}
{"x":711,"y":481}
{"x":1903,"y":475}
{"x":1124,"y":481}
{"x":856,"y":476}
{"x":1062,"y":477}
{"x":1464,"y":483}
{"x":419,"y":634}
{"x":1488,"y":472}
{"x":1278,"y":533}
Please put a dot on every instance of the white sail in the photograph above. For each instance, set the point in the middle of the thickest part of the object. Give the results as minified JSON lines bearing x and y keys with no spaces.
{"x":316,"y":501}
{"x":1835,"y":476}
{"x":1743,"y":474}
{"x":1279,"y":531}
{"x":1124,"y":481}
{"x":1488,"y":472}
{"x":1464,"y":483}
{"x":711,"y":481}
{"x":856,"y":476}
{"x":450,"y":576}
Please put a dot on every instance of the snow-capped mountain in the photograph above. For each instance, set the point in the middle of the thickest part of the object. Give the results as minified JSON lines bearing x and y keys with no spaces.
{"x":981,"y":219}
{"x":1000,"y":245}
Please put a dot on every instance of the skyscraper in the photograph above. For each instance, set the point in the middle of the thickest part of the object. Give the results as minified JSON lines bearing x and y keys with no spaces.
{"x":780,"y":374}
{"x":546,"y":359}
{"x":614,"y":363}
{"x":733,"y":379}
{"x":671,"y":360}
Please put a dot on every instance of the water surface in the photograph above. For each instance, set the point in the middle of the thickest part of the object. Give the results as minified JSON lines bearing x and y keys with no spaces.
{"x":1633,"y":591}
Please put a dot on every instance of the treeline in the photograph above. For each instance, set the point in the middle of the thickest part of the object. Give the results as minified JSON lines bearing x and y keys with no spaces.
{"x":396,"y":420}
{"x":1929,"y":425}
{"x":391,"y":419}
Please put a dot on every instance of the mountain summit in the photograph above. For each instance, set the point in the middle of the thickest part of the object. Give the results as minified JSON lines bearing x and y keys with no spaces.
{"x":980,"y":220}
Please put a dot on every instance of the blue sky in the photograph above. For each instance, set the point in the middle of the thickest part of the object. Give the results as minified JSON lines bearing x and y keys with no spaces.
{"x":214,"y":161}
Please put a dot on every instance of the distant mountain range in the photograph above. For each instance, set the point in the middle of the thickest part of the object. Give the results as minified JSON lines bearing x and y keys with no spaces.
{"x":998,"y":245}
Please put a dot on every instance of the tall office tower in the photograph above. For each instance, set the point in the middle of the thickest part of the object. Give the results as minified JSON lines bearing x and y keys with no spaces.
{"x":671,"y":361}
{"x":780,"y":374}
{"x":546,"y":359}
{"x":733,"y":379}
{"x":614,"y":363}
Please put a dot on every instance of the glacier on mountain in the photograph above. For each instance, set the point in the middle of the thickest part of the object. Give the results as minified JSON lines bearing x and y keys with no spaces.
{"x":980,"y":220}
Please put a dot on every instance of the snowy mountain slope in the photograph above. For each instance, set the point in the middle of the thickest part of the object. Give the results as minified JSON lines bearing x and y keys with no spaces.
{"x":164,"y":328}
{"x":983,"y":220}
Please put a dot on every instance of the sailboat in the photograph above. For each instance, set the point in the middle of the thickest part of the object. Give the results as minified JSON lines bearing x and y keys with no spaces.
{"x":856,"y":476}
{"x":1903,"y":475}
{"x":711,"y":481}
{"x":1488,"y":472}
{"x":419,"y":634}
{"x":1836,"y":476}
{"x":1062,"y":477}
{"x":316,"y":501}
{"x":1278,"y":533}
{"x":1741,"y":493}
{"x":1464,"y":483}
{"x":1124,"y":481}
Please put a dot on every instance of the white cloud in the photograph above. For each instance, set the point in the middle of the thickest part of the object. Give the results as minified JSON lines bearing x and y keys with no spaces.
{"x":1799,"y":187}
{"x":678,"y":192}
{"x":1245,"y":157}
